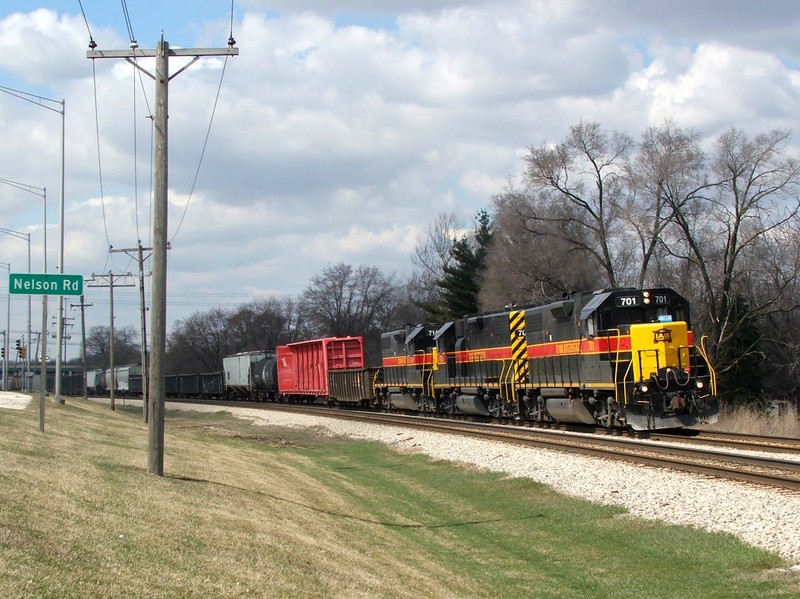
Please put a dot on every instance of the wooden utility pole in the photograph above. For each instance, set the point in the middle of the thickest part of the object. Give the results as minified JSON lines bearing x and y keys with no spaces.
{"x":158,"y":294}
{"x":140,"y":258}
{"x":83,"y":305}
{"x":112,"y":282}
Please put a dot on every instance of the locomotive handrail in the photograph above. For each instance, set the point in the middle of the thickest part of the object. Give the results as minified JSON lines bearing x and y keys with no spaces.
{"x":426,"y":383}
{"x":624,"y":385}
{"x":712,"y":374}
{"x":507,"y":378}
{"x":616,"y":363}
{"x":376,"y":379}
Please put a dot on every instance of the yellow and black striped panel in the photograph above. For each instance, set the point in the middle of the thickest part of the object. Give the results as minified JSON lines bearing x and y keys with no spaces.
{"x":519,"y":345}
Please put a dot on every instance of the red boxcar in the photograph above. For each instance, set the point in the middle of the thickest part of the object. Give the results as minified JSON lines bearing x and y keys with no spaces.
{"x":305,"y":368}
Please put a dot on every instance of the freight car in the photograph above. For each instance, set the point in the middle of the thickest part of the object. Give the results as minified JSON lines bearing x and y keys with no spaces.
{"x":330,"y":369}
{"x":617,"y":357}
{"x":126,"y":380}
{"x":123,"y":375}
{"x":250,"y":375}
{"x":96,"y":381}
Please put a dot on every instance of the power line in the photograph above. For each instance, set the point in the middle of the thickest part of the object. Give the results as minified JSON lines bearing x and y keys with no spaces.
{"x":205,"y":145}
{"x":92,"y":43}
{"x":131,"y":37}
{"x":231,"y":43}
{"x":97,"y":142}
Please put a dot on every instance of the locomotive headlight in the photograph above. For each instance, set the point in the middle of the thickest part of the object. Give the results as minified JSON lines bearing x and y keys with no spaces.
{"x":700,"y":384}
{"x":644,"y":388}
{"x":646,"y":295}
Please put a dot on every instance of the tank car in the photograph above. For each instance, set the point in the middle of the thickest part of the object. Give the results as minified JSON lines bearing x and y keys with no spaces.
{"x":615,"y":357}
{"x":250,"y":375}
{"x":96,"y":381}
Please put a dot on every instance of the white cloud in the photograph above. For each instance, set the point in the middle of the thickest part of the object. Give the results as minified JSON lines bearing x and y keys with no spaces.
{"x":343,"y":129}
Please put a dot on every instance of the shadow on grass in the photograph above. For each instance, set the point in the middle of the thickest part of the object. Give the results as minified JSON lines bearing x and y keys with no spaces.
{"x":357,"y":518}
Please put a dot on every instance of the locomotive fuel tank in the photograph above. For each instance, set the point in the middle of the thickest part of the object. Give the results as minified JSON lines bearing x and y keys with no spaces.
{"x":402,"y":401}
{"x":564,"y":408}
{"x":472,"y":405}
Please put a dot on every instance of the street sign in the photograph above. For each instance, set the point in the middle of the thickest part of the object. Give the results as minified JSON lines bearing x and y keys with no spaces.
{"x":45,"y":284}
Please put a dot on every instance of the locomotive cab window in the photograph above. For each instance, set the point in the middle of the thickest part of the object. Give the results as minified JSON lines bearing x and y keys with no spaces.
{"x":589,"y":327}
{"x":623,"y":318}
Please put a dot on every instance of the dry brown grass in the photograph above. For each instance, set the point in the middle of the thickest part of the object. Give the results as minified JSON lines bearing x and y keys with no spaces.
{"x":80,"y":517}
{"x":777,"y":422}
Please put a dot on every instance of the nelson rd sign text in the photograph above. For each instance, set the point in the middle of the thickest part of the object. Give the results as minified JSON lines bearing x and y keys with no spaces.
{"x":45,"y":284}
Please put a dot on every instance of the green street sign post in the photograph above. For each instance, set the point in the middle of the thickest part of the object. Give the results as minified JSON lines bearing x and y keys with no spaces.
{"x":44,"y":284}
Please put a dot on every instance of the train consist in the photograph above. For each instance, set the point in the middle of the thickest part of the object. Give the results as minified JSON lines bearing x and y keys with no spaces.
{"x":617,"y":358}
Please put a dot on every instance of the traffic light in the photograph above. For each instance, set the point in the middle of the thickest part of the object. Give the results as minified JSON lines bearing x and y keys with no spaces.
{"x":2,"y":352}
{"x":23,"y":352}
{"x":19,"y":346}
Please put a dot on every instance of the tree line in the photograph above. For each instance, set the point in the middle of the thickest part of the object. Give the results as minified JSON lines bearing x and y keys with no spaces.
{"x":716,"y":220}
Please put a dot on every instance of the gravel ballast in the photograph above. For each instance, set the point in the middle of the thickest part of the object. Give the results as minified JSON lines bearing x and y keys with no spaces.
{"x":762,"y":517}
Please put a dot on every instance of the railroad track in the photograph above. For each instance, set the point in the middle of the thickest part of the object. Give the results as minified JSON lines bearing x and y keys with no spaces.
{"x":731,"y":440}
{"x":708,"y":453}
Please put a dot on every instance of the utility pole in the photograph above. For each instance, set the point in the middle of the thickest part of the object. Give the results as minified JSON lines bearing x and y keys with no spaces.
{"x":83,"y":305}
{"x":158,"y":294}
{"x":140,"y":258}
{"x":63,"y":336}
{"x":112,"y":282}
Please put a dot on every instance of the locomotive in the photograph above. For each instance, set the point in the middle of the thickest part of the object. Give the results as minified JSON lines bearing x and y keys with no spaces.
{"x":614,"y":357}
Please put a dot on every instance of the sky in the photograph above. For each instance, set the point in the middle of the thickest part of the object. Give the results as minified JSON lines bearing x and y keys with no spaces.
{"x":340,"y":131}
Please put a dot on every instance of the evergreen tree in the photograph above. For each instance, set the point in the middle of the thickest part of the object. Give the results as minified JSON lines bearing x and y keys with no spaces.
{"x":462,"y":279}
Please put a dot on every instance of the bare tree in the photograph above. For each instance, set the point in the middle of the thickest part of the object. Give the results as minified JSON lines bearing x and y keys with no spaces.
{"x":199,"y":342}
{"x":750,"y":205}
{"x":668,"y":174}
{"x":343,"y":300}
{"x":126,"y":346}
{"x":579,"y":186}
{"x":781,"y":329}
{"x":525,"y":265}
{"x":432,"y":255}
{"x":265,"y":324}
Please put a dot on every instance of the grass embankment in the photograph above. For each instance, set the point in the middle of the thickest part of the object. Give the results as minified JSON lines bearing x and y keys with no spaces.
{"x":246,"y":510}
